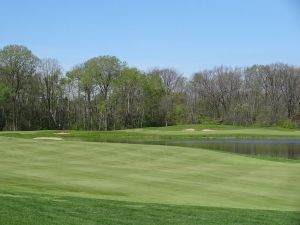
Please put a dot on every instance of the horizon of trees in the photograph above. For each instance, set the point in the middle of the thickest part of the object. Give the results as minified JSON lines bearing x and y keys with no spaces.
{"x":104,"y":93}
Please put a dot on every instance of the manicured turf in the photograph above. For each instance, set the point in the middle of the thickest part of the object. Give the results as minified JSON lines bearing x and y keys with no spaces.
{"x":75,"y":182}
{"x":33,"y":209}
{"x":146,"y":173}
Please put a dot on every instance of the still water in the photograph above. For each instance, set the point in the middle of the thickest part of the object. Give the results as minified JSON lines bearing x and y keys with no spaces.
{"x":281,"y":148}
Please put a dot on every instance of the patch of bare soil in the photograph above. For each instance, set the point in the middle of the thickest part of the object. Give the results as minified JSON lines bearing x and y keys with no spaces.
{"x":48,"y":138}
{"x":190,"y":129}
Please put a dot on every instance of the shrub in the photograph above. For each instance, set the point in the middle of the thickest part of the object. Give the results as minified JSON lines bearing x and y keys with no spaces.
{"x":287,"y":124}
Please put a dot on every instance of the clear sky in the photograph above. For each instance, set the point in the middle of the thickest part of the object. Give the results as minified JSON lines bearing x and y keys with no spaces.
{"x":189,"y":35}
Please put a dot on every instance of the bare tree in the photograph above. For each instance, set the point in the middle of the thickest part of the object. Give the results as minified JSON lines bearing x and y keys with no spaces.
{"x":253,"y":92}
{"x":50,"y":73}
{"x":171,"y":79}
{"x":289,"y":87}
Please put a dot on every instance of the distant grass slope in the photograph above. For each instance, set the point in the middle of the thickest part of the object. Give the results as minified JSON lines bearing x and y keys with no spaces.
{"x":36,"y":209}
{"x":220,"y":131}
{"x":164,"y":133}
{"x":148,"y":174}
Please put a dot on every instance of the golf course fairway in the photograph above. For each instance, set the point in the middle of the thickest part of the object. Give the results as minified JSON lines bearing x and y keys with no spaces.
{"x":160,"y":184}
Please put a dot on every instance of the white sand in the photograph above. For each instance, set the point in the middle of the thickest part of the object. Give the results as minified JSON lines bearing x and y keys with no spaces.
{"x":48,"y":138}
{"x":190,"y":129}
{"x":63,"y":133}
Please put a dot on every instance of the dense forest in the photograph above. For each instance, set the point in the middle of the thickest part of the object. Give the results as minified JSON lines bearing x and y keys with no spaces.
{"x":104,"y":93}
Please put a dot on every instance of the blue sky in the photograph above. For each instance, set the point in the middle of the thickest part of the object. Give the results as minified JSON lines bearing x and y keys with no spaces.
{"x":189,"y":35}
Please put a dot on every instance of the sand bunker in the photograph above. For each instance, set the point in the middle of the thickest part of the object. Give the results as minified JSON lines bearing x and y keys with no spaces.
{"x":207,"y":130}
{"x":190,"y":129}
{"x":61,"y":133}
{"x":48,"y":138}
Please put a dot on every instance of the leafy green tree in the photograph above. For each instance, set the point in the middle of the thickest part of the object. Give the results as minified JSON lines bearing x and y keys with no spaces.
{"x":105,"y":70}
{"x":129,"y":98}
{"x":17,"y":65}
{"x":154,"y":91}
{"x":84,"y":77}
{"x":5,"y":93}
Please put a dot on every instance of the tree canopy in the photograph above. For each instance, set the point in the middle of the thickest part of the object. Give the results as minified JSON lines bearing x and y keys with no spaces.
{"x":104,"y":93}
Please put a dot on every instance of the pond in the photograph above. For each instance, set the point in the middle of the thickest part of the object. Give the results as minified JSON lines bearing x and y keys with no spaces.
{"x":282,"y":148}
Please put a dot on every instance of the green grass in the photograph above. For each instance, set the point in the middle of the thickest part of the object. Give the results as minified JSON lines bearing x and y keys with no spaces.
{"x":29,"y":209}
{"x":148,"y":173}
{"x":164,"y":133}
{"x":220,"y":131}
{"x":75,"y":182}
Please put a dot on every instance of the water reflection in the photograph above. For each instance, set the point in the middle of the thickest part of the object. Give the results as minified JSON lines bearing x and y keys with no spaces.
{"x":284,"y":148}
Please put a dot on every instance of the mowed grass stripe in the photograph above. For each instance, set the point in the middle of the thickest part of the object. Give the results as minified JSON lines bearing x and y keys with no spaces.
{"x":23,"y":208}
{"x":149,"y":174}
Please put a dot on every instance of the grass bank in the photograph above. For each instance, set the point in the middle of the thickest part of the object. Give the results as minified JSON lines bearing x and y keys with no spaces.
{"x":181,"y":132}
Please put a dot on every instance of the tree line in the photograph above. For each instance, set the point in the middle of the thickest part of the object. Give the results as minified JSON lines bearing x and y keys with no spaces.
{"x":104,"y":93}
